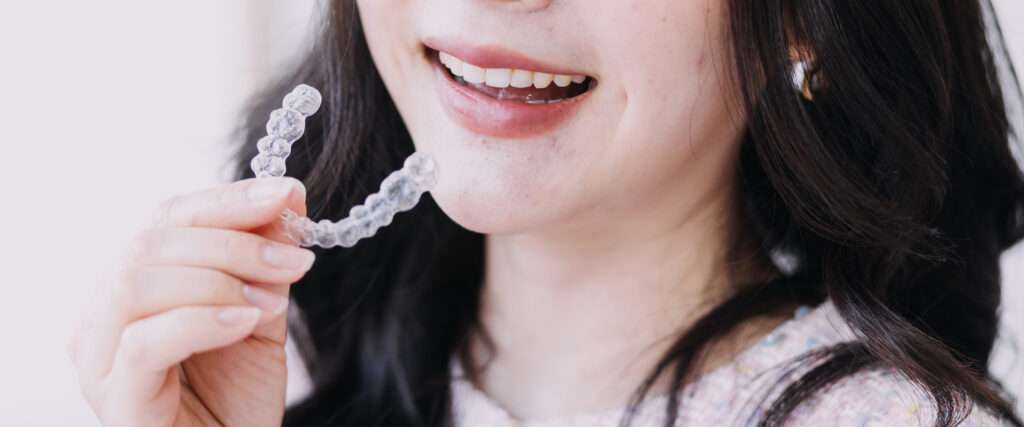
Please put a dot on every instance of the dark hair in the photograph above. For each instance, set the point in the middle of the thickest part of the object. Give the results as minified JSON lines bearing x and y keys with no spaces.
{"x":895,"y":191}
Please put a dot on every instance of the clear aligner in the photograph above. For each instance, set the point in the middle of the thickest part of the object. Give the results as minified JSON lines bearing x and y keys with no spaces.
{"x":399,"y":192}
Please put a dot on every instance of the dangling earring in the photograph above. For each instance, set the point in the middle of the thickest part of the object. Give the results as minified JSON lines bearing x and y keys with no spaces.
{"x":805,"y":79}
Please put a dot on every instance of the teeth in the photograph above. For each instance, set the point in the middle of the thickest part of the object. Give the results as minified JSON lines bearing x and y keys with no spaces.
{"x":456,"y":65}
{"x":473,"y":74}
{"x":505,"y":77}
{"x":499,"y":77}
{"x":542,"y":80}
{"x":521,"y":79}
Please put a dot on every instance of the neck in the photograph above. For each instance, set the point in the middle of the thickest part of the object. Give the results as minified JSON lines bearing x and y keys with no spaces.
{"x":576,"y":318}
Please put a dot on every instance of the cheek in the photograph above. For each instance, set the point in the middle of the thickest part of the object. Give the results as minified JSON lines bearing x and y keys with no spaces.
{"x":672,"y":71}
{"x":392,"y":51}
{"x":671,"y":68}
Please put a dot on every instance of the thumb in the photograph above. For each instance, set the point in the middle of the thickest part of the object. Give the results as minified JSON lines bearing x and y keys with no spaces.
{"x":275,"y":230}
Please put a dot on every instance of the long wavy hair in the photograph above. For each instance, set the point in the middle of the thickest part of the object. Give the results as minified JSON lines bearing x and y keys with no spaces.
{"x":894,"y":193}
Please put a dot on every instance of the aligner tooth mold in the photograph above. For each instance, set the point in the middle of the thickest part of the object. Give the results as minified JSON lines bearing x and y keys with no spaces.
{"x":399,"y":192}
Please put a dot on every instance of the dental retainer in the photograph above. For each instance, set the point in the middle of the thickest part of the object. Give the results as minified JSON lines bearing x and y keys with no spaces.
{"x":399,"y":192}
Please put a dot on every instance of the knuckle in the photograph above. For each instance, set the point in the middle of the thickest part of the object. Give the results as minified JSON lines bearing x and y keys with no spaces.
{"x":141,"y":245}
{"x":225,"y":287}
{"x":165,"y":211}
{"x":131,"y":352}
{"x":230,"y":245}
{"x":124,"y":292}
{"x":213,"y":287}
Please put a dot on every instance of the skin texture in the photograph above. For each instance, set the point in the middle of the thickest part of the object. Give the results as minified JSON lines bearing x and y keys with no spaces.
{"x":606,"y":234}
{"x":657,"y":124}
{"x":176,"y":339}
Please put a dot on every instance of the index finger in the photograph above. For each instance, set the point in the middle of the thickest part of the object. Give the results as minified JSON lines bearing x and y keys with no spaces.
{"x":241,"y":205}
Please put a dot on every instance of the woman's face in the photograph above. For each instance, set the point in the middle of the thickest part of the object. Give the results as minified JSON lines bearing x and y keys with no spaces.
{"x":649,"y":127}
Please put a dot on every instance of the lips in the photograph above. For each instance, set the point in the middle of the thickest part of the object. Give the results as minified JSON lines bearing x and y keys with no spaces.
{"x":495,"y":92}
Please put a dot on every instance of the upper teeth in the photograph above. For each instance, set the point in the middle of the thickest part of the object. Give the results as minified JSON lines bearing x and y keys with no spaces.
{"x":505,"y":77}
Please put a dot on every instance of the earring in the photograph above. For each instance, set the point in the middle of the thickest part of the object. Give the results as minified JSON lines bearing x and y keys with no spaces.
{"x":805,"y":79}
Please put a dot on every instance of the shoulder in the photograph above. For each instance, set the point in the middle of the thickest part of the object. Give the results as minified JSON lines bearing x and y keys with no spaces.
{"x":876,"y":397}
{"x":879,"y":397}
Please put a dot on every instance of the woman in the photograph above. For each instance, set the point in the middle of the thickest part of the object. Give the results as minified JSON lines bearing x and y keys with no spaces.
{"x":641,"y":219}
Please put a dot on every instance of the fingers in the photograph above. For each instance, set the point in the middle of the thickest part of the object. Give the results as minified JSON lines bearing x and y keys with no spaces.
{"x":247,"y":256}
{"x":205,"y":276}
{"x":241,"y":205}
{"x":149,"y":347}
{"x":175,"y":267}
{"x":183,"y":266}
{"x":149,"y":290}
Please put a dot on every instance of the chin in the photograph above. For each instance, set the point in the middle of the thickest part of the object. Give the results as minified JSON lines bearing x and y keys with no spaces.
{"x":484,"y":188}
{"x":480,"y":208}
{"x":486,"y":202}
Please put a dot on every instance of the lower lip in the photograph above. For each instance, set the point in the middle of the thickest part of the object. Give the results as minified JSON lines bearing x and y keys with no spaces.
{"x":485,"y":115}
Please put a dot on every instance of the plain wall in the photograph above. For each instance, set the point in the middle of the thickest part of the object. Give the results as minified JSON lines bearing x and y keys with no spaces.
{"x":108,"y":107}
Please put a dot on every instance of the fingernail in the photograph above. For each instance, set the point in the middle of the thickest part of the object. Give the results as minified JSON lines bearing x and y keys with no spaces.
{"x":269,"y":189}
{"x":288,"y":257}
{"x":267,"y":301}
{"x":236,"y":316}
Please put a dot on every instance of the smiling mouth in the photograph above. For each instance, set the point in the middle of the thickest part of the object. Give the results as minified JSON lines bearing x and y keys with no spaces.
{"x":514,"y":85}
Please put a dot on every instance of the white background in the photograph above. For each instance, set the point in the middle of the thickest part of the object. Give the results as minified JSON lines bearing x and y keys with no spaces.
{"x":108,"y":107}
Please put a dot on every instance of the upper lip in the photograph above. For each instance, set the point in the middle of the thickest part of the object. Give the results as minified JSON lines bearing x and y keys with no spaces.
{"x":494,"y":56}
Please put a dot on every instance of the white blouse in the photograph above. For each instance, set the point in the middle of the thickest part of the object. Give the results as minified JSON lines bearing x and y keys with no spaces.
{"x":732,"y":393}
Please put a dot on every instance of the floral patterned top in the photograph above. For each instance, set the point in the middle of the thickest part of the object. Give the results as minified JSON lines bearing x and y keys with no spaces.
{"x":730,"y":394}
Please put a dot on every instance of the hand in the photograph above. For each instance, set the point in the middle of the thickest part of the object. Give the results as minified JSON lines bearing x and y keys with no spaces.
{"x":192,"y":330}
